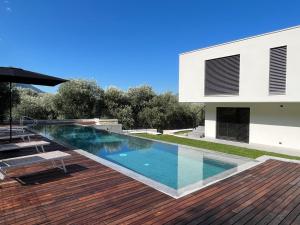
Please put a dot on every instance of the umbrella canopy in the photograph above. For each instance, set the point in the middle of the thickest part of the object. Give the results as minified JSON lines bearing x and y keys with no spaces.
{"x":17,"y":75}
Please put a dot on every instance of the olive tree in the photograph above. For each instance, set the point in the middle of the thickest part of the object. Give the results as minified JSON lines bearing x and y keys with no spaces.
{"x":165,"y":112}
{"x":79,"y":99}
{"x":35,"y":105}
{"x":125,"y":117}
{"x":114,"y":100}
{"x":139,"y":98}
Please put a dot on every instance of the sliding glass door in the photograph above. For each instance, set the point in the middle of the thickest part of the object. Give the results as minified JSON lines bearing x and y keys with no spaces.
{"x":233,"y":124}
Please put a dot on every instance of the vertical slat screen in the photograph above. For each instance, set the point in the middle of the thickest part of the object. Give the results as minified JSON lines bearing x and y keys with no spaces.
{"x":222,"y":76}
{"x":277,"y":81}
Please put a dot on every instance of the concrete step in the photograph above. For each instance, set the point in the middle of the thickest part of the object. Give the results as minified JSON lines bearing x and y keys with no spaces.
{"x":196,"y":133}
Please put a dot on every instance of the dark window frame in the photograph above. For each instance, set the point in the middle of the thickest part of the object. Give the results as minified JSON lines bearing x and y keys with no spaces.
{"x":230,"y":86}
{"x":277,"y":72}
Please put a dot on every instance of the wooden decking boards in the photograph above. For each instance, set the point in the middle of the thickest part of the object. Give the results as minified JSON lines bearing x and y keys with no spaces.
{"x":94,"y":194}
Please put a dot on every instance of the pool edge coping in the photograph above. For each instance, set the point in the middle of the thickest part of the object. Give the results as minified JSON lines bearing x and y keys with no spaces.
{"x":161,"y":187}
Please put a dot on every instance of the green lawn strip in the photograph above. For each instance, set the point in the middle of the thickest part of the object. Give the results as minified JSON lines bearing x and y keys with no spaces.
{"x":182,"y":132}
{"x":230,"y":149}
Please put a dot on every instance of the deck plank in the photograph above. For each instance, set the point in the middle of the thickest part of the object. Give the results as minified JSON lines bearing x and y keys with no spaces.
{"x":239,"y":195}
{"x":94,"y":194}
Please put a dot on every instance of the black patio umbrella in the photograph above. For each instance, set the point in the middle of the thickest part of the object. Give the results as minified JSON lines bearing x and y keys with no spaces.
{"x":15,"y":75}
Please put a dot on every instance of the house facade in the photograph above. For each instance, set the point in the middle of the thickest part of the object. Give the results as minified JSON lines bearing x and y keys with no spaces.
{"x":250,"y":87}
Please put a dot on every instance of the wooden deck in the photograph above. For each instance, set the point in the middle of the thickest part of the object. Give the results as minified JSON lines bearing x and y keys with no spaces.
{"x":94,"y":194}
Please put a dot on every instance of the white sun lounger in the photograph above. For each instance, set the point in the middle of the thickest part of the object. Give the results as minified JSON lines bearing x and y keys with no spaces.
{"x":21,"y":145}
{"x":28,"y":160}
{"x":17,"y":129}
{"x":22,"y":136}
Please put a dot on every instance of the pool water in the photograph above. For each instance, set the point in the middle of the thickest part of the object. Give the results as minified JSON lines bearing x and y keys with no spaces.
{"x":171,"y":165}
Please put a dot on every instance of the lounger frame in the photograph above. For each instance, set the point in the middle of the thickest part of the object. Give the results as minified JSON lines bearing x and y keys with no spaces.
{"x":62,"y":166}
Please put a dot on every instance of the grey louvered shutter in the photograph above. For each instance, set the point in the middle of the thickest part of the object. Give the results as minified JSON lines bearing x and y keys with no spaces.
{"x":222,"y":76}
{"x":277,"y":81}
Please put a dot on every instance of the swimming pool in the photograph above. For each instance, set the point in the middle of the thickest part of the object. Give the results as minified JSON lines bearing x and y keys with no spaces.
{"x":173,"y":169}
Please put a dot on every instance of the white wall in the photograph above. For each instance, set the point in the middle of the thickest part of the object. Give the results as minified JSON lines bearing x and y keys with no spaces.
{"x":269,"y":123}
{"x":210,"y":120}
{"x":254,"y":69}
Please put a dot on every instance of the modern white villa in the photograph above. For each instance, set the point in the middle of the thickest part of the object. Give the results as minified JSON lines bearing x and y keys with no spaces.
{"x":251,"y":88}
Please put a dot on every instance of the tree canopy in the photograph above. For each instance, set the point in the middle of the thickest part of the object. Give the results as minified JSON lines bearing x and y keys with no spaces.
{"x":78,"y":99}
{"x":139,"y":107}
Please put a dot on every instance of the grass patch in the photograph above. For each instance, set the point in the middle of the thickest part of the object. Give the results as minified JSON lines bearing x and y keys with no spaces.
{"x":182,"y":132}
{"x":230,"y":149}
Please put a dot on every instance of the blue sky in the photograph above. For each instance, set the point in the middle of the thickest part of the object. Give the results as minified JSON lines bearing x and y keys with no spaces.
{"x":127,"y":43}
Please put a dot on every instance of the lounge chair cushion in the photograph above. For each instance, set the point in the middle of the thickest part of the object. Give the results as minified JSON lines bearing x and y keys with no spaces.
{"x":15,"y":146}
{"x":32,"y":159}
{"x":16,"y":136}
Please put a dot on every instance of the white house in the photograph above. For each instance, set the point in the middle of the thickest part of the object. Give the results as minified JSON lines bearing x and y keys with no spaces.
{"x":251,"y":88}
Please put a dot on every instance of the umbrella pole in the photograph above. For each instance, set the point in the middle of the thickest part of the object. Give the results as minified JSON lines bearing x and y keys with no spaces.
{"x":10,"y":116}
